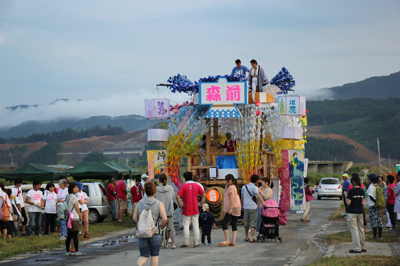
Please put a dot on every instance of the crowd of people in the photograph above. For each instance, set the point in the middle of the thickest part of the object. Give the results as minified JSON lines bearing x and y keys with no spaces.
{"x":381,"y":197}
{"x":67,"y":204}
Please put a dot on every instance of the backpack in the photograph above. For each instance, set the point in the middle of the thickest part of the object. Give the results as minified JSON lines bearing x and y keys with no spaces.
{"x":62,"y":211}
{"x":380,"y":199}
{"x":146,"y":227}
{"x":6,"y":210}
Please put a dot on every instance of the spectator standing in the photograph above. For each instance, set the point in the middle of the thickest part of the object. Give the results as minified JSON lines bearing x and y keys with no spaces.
{"x":239,"y":70}
{"x":374,"y":212}
{"x":355,"y":212}
{"x":73,"y":222}
{"x":17,"y":191}
{"x":250,"y":206}
{"x":5,"y":226}
{"x":112,"y":194}
{"x":166,"y":194}
{"x":190,"y":208}
{"x":309,"y":198}
{"x":266,"y":194}
{"x":34,"y":198}
{"x":206,"y":222}
{"x":50,"y":209}
{"x":16,"y":210}
{"x":362,"y":202}
{"x":121,"y":196}
{"x":136,"y":193}
{"x":232,"y":209}
{"x":83,"y":200}
{"x":397,"y":201}
{"x":61,"y":195}
{"x":390,"y":201}
{"x":150,"y":246}
{"x":345,"y":189}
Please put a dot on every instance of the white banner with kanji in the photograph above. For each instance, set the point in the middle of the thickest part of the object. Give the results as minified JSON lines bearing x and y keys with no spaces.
{"x":223,"y":96}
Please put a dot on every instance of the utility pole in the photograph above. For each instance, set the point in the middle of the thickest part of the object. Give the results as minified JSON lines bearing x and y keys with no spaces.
{"x":389,"y":160}
{"x":379,"y":156}
{"x":12,"y":162}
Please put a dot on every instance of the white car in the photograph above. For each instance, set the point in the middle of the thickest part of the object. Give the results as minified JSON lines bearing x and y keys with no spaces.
{"x":329,"y":187}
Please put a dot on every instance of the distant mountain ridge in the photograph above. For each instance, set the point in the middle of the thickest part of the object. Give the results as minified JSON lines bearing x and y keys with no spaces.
{"x":374,"y":87}
{"x":128,"y":122}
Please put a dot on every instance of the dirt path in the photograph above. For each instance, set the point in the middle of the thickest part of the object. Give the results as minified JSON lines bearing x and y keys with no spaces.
{"x":361,"y":151}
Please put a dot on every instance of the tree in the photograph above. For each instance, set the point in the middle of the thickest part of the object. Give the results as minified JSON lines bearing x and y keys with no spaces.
{"x":95,"y":157}
{"x":46,"y":155}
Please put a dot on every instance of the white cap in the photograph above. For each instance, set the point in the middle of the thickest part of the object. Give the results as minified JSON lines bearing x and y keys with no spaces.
{"x":144,"y":176}
{"x":205,"y":207}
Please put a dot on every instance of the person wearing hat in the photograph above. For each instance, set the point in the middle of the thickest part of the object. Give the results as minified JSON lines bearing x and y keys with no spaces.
{"x":83,"y":200}
{"x":144,"y":179}
{"x":345,"y":189}
{"x":229,"y":144}
{"x":374,"y":212}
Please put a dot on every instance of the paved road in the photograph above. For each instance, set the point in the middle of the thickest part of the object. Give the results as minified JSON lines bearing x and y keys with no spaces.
{"x":300,"y":247}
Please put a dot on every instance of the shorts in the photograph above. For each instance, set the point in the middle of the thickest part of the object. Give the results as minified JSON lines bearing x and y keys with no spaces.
{"x":250,"y":214}
{"x":7,"y":226}
{"x":75,"y":226}
{"x":150,"y":246}
{"x":122,"y":204}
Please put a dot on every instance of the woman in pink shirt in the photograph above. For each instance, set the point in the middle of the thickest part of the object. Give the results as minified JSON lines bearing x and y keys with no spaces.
{"x":309,"y":198}
{"x":232,"y":209}
{"x":390,"y":200}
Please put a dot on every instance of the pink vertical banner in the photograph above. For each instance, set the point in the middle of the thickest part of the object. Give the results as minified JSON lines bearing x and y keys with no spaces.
{"x":284,"y":176}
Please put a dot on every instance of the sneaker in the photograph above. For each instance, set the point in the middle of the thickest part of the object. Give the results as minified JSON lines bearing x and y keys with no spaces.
{"x":196,"y":246}
{"x":78,"y":253}
{"x":392,"y":230}
{"x":363,"y":250}
{"x":173,"y":246}
{"x":185,"y":246}
{"x":372,"y":238}
{"x":354,"y":251}
{"x":203,"y":244}
{"x":63,"y":238}
{"x":209,"y":244}
{"x":379,"y":238}
{"x":67,"y":253}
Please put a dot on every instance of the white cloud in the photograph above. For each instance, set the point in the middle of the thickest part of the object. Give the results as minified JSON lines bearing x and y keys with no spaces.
{"x":78,"y":52}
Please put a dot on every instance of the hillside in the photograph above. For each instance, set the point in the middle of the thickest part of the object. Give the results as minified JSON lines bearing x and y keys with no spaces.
{"x":374,"y":87}
{"x":362,"y":120}
{"x":128,"y":122}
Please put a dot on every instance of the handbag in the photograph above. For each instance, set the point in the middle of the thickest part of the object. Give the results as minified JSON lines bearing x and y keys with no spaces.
{"x":254,"y":198}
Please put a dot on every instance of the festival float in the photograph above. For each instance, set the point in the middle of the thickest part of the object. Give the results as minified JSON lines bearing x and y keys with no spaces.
{"x":226,"y":129}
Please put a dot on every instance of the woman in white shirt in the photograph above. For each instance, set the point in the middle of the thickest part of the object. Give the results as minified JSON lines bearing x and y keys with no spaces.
{"x":50,"y":209}
{"x":83,"y":200}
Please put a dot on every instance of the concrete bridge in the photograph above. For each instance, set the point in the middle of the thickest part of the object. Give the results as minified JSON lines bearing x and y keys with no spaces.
{"x":329,"y":167}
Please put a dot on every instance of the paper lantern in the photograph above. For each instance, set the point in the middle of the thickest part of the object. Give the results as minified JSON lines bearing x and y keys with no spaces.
{"x":157,"y":135}
{"x":292,"y":133}
{"x":157,"y":108}
{"x":292,"y":105}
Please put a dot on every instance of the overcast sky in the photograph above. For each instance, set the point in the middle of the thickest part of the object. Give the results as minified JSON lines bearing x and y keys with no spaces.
{"x":111,"y":54}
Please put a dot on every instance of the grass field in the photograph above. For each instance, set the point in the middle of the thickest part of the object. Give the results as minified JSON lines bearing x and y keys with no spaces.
{"x":365,"y":260}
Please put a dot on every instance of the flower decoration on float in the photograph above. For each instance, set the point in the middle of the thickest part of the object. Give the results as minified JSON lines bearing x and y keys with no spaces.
{"x":257,"y":103}
{"x":258,"y":113}
{"x":284,"y":80}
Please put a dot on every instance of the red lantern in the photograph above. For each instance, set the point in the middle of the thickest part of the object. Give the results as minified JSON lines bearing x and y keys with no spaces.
{"x":257,"y":103}
{"x":303,"y":116}
{"x":175,"y":111}
{"x":306,"y":111}
{"x":258,"y":113}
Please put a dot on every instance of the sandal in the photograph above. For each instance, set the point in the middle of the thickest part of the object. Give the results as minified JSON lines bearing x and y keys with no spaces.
{"x":246,"y":239}
{"x":223,"y":244}
{"x":253,"y":241}
{"x":303,"y":220}
{"x":307,"y":221}
{"x":231,"y":244}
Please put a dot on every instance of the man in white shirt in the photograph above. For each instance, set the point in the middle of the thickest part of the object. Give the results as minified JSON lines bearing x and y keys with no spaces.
{"x":83,"y":200}
{"x":61,"y":195}
{"x":34,"y":200}
{"x":256,"y":78}
{"x":250,"y":206}
{"x":17,"y":191}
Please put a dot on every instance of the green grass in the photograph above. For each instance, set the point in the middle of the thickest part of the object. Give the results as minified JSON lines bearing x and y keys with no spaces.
{"x":35,"y":244}
{"x":365,"y":260}
{"x":387,"y":237}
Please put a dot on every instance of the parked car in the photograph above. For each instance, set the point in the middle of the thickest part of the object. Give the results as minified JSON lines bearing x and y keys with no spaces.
{"x":329,"y":187}
{"x":98,"y":201}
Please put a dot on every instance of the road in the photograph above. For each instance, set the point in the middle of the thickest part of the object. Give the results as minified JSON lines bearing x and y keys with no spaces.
{"x":300,"y":246}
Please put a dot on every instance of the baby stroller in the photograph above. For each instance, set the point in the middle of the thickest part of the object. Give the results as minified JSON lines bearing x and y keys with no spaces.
{"x":269,"y":226}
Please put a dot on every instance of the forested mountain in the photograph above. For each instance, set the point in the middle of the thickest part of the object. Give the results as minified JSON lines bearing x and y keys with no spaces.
{"x":361,"y":119}
{"x":128,"y":122}
{"x":66,"y":135}
{"x":374,"y":87}
{"x":318,"y":149}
